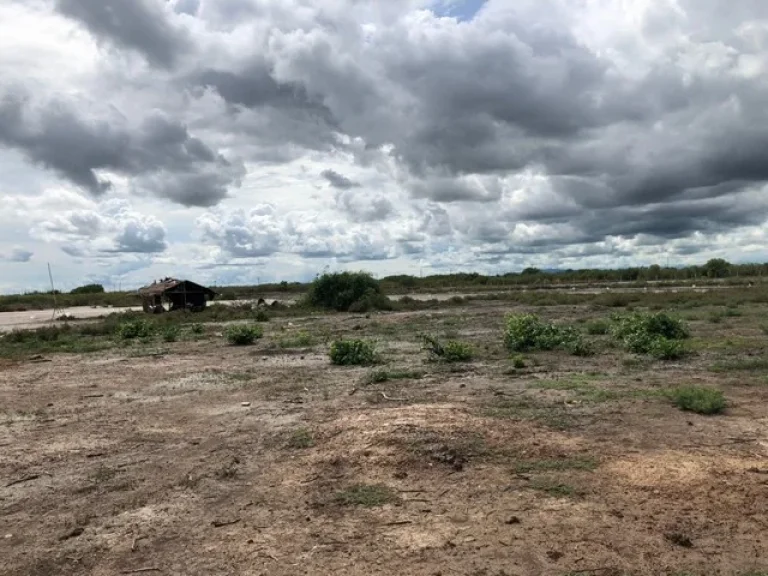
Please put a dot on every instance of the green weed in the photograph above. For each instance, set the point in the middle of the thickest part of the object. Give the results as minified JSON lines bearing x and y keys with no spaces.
{"x":525,"y":332}
{"x":698,"y":399}
{"x":243,"y":334}
{"x":301,"y":339}
{"x":353,"y":353}
{"x":366,"y":495}
{"x":451,"y":351}
{"x":379,"y":376}
{"x":300,"y":439}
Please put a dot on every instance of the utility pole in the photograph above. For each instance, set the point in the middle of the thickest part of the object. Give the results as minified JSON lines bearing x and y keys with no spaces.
{"x":53,"y":292}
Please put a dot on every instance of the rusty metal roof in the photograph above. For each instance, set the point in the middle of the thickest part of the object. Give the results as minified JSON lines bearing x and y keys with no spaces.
{"x":165,"y":285}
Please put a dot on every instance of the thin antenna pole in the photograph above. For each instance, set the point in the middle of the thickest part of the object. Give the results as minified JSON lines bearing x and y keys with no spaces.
{"x":53,"y":291}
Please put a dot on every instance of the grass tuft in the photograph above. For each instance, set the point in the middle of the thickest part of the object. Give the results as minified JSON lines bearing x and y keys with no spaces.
{"x":366,"y":495}
{"x":243,"y":334}
{"x":353,"y":353}
{"x":699,"y":399}
{"x":451,"y":351}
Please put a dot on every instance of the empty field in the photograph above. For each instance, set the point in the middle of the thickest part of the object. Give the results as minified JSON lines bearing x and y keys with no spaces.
{"x":187,"y":455}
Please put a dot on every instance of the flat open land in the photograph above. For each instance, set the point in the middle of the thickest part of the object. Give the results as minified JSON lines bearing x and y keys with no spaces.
{"x":195,"y":457}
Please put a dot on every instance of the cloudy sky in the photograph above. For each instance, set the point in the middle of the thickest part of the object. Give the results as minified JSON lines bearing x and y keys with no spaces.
{"x":236,"y":141}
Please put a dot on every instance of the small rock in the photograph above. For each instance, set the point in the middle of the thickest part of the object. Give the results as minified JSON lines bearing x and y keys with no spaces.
{"x":8,"y":536}
{"x":554,"y":555}
{"x":512,"y":520}
{"x":245,"y":404}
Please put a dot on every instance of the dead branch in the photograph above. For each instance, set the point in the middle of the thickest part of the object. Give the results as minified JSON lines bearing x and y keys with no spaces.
{"x":392,"y":399}
{"x":139,"y":570}
{"x":24,"y":479}
{"x":220,"y":523}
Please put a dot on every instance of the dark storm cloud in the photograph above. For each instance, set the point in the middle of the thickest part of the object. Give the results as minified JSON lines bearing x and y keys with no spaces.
{"x":633,"y":142}
{"x":189,"y":7}
{"x":361,"y":206}
{"x":139,"y":25}
{"x":141,"y":237}
{"x":339,"y":181}
{"x":18,"y":255}
{"x":160,"y":153}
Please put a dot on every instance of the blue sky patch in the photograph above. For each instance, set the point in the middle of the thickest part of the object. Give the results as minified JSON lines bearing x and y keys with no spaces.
{"x":463,"y":10}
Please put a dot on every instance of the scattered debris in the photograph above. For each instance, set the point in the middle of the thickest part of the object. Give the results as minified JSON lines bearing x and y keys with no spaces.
{"x":74,"y":533}
{"x":679,"y":539}
{"x":140,"y":570}
{"x":220,"y":523}
{"x":24,"y":479}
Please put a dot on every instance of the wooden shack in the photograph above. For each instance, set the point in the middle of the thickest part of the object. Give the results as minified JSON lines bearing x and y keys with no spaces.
{"x":170,"y":294}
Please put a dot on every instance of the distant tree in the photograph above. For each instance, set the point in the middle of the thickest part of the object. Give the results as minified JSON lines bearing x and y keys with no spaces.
{"x":654,"y":271}
{"x":717,"y":268}
{"x":88,"y":289}
{"x":531,"y":271}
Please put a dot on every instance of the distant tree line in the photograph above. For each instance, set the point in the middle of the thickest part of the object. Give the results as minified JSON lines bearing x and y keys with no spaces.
{"x":716,"y":268}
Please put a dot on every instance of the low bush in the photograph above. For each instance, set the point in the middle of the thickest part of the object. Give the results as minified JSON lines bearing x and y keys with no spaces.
{"x":243,"y":334}
{"x":451,"y":351}
{"x":379,"y":376}
{"x":301,"y":339}
{"x":659,"y":335}
{"x":353,"y":353}
{"x":171,"y":333}
{"x":698,"y":399}
{"x":347,"y":291}
{"x":197,"y":328}
{"x":660,"y":324}
{"x":598,"y":327}
{"x":525,"y":332}
{"x":135,"y":329}
{"x":664,"y":349}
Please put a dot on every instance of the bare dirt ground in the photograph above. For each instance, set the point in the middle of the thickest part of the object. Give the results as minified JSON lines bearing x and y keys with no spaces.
{"x":197,"y":458}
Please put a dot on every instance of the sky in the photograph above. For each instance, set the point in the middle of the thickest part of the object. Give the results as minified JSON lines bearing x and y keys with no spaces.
{"x":247,"y":141}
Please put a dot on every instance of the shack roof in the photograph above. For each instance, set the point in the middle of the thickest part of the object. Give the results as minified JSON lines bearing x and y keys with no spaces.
{"x":173,"y":285}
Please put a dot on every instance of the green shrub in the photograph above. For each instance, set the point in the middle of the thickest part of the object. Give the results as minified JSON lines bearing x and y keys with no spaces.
{"x":379,"y":376}
{"x":261,"y":316}
{"x":660,"y":324}
{"x":43,"y":334}
{"x":134,"y":329}
{"x":699,"y":400}
{"x":366,"y":495}
{"x":343,"y":291}
{"x":88,"y":289}
{"x":353,"y":353}
{"x":371,"y":300}
{"x":451,"y":351}
{"x":518,"y":361}
{"x":197,"y":328}
{"x":526,"y":332}
{"x":665,"y":349}
{"x":301,"y":339}
{"x":171,"y":333}
{"x":243,"y":334}
{"x":579,"y":347}
{"x":598,"y":327}
{"x":455,"y":351}
{"x":656,"y":334}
